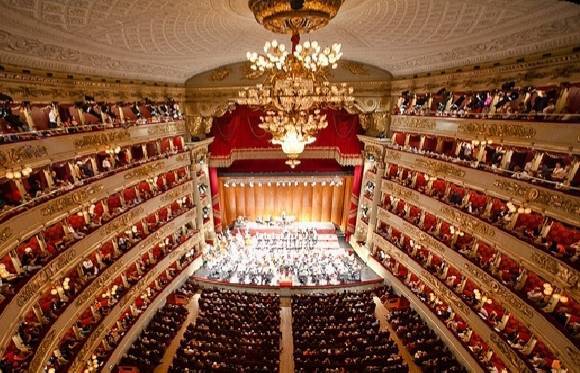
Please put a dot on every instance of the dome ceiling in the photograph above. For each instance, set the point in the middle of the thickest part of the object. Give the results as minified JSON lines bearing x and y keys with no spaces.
{"x":171,"y":40}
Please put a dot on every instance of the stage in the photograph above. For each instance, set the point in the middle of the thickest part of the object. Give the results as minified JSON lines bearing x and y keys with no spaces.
{"x":310,"y":255}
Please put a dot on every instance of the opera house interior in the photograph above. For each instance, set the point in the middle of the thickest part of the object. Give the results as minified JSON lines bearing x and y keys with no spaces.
{"x":289,"y":186}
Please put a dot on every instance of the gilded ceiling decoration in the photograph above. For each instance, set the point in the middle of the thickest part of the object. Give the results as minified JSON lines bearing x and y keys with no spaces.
{"x":171,"y":40}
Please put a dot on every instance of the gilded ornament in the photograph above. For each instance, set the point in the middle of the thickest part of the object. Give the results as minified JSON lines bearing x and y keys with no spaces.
{"x":413,"y":123}
{"x":19,"y":155}
{"x":219,"y":74}
{"x":439,"y":168}
{"x":123,"y":221}
{"x":567,"y":276}
{"x":102,"y":139}
{"x":70,"y":200}
{"x":5,"y":234}
{"x":391,"y":155}
{"x":167,"y":129}
{"x":509,"y":353}
{"x":470,"y":223}
{"x":278,"y":16}
{"x":547,"y":199}
{"x":356,"y":68}
{"x":496,"y":129}
{"x":145,"y":171}
{"x":402,"y":192}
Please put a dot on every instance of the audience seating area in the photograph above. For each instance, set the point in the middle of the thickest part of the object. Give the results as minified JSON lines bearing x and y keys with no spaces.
{"x":130,"y":314}
{"x":32,"y":254}
{"x":233,"y":332}
{"x":547,"y":169}
{"x":559,"y":239}
{"x":22,"y":190}
{"x":558,"y":306}
{"x":532,"y":351}
{"x":510,"y":101}
{"x":339,"y":332}
{"x":24,"y":121}
{"x":428,"y":351}
{"x":148,"y":349}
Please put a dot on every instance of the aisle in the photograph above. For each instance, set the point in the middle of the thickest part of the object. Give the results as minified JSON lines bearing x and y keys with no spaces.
{"x":381,"y":313}
{"x":171,"y":350}
{"x":287,"y":344}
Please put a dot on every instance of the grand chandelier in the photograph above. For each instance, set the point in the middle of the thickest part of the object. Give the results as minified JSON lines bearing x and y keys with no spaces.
{"x":296,"y":85}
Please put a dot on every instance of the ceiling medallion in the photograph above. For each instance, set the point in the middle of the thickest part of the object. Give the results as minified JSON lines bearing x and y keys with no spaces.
{"x":295,"y":88}
{"x":294,"y":16}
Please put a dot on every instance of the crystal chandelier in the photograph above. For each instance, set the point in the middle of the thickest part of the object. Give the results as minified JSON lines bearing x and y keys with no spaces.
{"x":295,"y":90}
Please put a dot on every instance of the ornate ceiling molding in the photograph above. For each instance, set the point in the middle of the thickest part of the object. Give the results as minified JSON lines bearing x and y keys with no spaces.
{"x":147,"y":39}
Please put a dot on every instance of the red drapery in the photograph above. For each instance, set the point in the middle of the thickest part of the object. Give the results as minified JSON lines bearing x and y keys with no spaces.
{"x":239,"y":130}
{"x":356,"y":187}
{"x":215,"y":198}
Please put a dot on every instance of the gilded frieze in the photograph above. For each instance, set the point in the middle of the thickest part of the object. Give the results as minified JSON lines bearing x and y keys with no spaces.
{"x":355,"y":68}
{"x":401,"y":192}
{"x":43,"y":277}
{"x":391,"y":155}
{"x":22,"y":154}
{"x":145,"y":171}
{"x":439,"y":168}
{"x":567,"y":276}
{"x":374,"y":151}
{"x":41,"y":351}
{"x":102,"y":139}
{"x":220,"y":74}
{"x":168,"y":129}
{"x":5,"y":234}
{"x":122,"y":222}
{"x":491,"y":285}
{"x":496,"y":129}
{"x":468,"y":222}
{"x":412,"y":123}
{"x":445,"y":293}
{"x":507,"y":351}
{"x":70,"y":200}
{"x":545,"y":198}
{"x":175,"y":193}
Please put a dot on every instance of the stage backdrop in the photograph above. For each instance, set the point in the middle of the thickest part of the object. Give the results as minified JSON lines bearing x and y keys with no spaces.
{"x":306,"y":203}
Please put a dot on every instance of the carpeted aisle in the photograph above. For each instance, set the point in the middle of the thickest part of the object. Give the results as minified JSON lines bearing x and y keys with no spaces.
{"x":171,"y":350}
{"x":287,"y":347}
{"x":381,"y":315}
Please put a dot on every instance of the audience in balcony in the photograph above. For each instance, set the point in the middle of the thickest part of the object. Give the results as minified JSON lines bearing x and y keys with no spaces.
{"x":339,"y":332}
{"x":52,"y":304}
{"x":509,"y":271}
{"x":233,"y":332}
{"x":72,"y":343}
{"x":428,"y":351}
{"x":32,"y":254}
{"x":29,"y":187}
{"x":551,"y":170}
{"x":544,"y":232}
{"x":25,"y":121}
{"x":508,"y":102}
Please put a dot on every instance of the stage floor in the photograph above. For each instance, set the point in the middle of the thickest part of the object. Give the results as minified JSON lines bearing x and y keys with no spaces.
{"x":367,"y":276}
{"x":330,"y":246}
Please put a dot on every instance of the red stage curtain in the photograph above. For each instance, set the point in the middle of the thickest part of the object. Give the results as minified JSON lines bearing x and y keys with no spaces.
{"x":215,"y":198}
{"x":356,"y":186}
{"x":239,"y":130}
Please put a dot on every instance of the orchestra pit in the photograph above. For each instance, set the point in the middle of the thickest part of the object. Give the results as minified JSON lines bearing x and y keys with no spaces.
{"x":335,"y":186}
